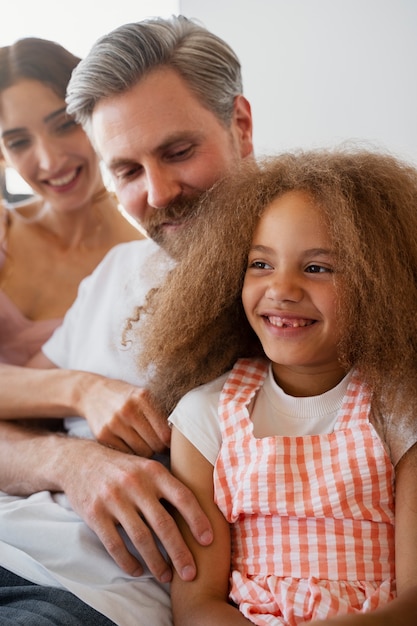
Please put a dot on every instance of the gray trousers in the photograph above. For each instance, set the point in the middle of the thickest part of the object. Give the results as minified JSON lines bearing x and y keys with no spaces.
{"x":24,"y":603}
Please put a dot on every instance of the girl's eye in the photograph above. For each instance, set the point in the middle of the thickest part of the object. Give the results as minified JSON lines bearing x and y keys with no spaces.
{"x":318,"y":269}
{"x":259,"y":265}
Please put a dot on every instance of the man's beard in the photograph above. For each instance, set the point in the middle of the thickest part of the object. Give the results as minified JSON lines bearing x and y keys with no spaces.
{"x":166,"y":225}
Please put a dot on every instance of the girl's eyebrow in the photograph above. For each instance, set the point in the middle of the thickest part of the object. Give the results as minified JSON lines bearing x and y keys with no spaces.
{"x":260,"y":248}
{"x":319,"y":252}
{"x":310,"y":251}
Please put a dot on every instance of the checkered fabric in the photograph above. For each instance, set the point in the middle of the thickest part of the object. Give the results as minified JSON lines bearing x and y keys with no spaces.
{"x":312,"y":517}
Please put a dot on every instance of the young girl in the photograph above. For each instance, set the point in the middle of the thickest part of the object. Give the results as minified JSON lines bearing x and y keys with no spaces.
{"x":304,"y":458}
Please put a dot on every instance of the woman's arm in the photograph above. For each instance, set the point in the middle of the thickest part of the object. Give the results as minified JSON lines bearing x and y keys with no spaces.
{"x":204,"y":601}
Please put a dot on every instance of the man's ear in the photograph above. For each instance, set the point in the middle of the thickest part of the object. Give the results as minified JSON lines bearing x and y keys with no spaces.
{"x":242,"y":124}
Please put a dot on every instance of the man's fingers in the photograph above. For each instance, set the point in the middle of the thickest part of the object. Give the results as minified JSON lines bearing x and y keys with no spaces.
{"x":157,"y":420}
{"x":116,"y":547}
{"x":168,"y":533}
{"x":144,"y":541}
{"x":166,"y":529}
{"x":187,"y":505}
{"x":108,"y":438}
{"x":125,"y":438}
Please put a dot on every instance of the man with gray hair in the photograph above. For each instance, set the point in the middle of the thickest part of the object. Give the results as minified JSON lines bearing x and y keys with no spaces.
{"x":84,"y":524}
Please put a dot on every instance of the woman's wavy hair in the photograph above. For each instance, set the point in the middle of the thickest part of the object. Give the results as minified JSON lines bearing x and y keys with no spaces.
{"x":194,"y":328}
{"x":37,"y":59}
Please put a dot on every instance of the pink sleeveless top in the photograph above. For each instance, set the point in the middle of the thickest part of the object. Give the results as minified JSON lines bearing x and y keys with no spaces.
{"x":312,"y":517}
{"x":20,"y":337}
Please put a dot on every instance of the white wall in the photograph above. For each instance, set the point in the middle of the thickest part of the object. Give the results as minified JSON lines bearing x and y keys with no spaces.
{"x":76,"y":24}
{"x":320,"y":72}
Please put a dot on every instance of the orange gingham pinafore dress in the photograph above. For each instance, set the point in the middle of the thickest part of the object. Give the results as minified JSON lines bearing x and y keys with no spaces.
{"x":312,"y":517}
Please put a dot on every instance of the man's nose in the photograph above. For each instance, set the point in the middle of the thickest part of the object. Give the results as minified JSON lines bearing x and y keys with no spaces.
{"x":162,"y":188}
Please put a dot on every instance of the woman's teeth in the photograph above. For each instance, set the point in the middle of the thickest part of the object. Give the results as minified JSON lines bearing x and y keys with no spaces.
{"x":63,"y":180}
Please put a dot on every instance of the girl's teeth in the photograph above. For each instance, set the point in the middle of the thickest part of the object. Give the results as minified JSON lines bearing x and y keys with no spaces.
{"x":282,"y":321}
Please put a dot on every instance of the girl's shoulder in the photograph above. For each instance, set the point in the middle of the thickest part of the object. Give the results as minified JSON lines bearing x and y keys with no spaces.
{"x":398,"y":432}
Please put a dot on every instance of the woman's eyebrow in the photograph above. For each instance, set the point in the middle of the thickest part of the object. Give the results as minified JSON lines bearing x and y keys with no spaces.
{"x":54,"y":114}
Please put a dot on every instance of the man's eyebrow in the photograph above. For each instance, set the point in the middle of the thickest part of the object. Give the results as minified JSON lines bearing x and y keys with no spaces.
{"x":117,"y":163}
{"x":178,"y":137}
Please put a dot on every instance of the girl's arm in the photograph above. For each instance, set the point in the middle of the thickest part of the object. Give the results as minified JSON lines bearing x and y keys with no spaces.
{"x":403,"y":610}
{"x":204,"y":601}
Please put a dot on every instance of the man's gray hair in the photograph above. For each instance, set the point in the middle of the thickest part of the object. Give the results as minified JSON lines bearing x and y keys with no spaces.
{"x":120,"y":59}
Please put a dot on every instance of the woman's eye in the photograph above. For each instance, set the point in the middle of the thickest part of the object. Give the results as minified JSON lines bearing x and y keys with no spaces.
{"x":66,"y":126}
{"x":17,"y":144}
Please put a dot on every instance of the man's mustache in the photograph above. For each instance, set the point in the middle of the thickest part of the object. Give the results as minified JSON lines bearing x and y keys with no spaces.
{"x":177,"y":211}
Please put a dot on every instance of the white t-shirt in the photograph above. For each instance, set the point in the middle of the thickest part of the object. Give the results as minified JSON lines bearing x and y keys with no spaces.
{"x":274,"y":413}
{"x":41,"y":538}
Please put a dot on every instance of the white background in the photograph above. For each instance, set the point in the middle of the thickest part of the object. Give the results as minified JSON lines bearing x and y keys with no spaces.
{"x":317,"y":72}
{"x":321,"y":72}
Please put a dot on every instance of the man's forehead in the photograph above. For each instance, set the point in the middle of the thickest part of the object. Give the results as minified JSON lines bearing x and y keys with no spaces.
{"x":161,"y":91}
{"x":158,"y":106}
{"x":134,"y":132}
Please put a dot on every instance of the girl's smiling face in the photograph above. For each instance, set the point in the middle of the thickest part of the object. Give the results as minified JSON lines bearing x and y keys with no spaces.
{"x":289,"y":295}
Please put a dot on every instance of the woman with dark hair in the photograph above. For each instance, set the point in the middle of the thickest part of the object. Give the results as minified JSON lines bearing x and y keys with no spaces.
{"x":51,"y":241}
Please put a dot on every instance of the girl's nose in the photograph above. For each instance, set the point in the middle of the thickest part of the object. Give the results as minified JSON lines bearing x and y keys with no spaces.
{"x":283,"y":287}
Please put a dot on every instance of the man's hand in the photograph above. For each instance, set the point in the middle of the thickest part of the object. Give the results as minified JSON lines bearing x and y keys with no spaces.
{"x":122,"y":416}
{"x":108,"y":489}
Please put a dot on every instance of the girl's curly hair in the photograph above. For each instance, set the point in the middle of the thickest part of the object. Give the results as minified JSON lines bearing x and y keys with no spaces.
{"x":195,"y":328}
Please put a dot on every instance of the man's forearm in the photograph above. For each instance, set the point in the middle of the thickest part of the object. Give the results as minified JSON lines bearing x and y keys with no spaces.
{"x":29,"y":392}
{"x":31,"y":460}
